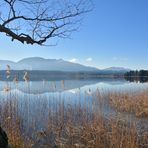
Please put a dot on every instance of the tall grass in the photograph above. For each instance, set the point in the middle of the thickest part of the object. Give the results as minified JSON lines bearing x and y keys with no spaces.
{"x":69,"y":126}
{"x":62,"y":125}
{"x":136,"y":103}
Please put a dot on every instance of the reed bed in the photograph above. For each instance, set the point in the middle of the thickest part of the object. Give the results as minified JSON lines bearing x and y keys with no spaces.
{"x":136,"y":103}
{"x":67,"y":126}
{"x":49,"y":122}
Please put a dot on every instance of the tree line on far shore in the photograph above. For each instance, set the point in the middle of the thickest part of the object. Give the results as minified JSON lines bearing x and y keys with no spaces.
{"x":136,"y":73}
{"x":137,"y":76}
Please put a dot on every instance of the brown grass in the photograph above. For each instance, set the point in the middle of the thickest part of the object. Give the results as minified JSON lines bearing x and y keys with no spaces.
{"x":77,"y":126}
{"x":136,"y":103}
{"x":74,"y":127}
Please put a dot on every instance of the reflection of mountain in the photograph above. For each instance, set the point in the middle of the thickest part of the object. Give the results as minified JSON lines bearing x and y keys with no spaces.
{"x":57,"y":75}
{"x":40,"y":87}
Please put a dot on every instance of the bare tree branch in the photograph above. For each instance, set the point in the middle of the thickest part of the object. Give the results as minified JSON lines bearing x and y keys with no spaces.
{"x":36,"y":21}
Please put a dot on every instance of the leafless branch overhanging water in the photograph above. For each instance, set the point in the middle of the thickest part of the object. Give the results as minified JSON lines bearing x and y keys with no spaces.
{"x":36,"y":21}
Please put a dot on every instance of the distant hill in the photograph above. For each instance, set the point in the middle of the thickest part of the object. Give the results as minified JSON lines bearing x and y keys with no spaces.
{"x":37,"y":63}
{"x":41,"y":64}
{"x":121,"y":69}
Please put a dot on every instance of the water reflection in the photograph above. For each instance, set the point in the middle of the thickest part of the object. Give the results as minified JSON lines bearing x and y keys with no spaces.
{"x":37,"y":103}
{"x":137,"y":79}
{"x":40,"y":87}
{"x":72,"y":92}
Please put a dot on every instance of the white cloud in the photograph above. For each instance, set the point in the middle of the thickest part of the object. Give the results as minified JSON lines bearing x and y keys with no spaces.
{"x":89,"y":59}
{"x":74,"y":60}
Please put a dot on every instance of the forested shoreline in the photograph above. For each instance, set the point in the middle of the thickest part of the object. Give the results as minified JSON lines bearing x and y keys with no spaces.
{"x":136,"y":73}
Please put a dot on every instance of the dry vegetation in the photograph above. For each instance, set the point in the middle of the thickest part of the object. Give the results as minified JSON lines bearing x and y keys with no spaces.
{"x":62,"y":125}
{"x":136,"y":103}
{"x":70,"y":127}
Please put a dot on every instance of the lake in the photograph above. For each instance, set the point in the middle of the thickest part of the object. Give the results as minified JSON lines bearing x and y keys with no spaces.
{"x":35,"y":100}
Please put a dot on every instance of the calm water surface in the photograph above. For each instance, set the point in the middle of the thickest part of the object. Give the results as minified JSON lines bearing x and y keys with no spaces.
{"x":34,"y":99}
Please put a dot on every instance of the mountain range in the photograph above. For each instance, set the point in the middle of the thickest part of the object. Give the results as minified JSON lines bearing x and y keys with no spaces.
{"x":38,"y":63}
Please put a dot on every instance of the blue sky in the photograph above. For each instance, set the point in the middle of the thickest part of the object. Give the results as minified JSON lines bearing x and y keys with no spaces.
{"x":115,"y":33}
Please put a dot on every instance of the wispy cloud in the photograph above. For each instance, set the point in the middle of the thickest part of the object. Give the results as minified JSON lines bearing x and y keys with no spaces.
{"x":89,"y":59}
{"x":119,"y":59}
{"x":74,"y":60}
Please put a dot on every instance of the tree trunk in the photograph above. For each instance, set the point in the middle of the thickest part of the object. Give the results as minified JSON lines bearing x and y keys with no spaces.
{"x":3,"y":139}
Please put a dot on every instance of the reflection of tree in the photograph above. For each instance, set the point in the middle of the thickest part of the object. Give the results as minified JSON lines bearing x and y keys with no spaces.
{"x":137,"y":79}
